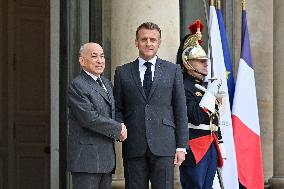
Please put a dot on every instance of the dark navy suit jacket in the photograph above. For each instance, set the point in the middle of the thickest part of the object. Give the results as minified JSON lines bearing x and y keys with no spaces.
{"x":159,"y":121}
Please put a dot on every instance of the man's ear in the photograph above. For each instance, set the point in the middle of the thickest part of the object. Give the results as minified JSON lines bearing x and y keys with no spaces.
{"x":136,"y":43}
{"x":81,"y":61}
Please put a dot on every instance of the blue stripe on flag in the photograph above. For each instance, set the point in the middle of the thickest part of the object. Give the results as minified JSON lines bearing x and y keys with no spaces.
{"x":227,"y":57}
{"x":245,"y":51}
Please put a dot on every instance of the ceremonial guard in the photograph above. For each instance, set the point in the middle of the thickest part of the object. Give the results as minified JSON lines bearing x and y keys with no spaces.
{"x":202,"y":100}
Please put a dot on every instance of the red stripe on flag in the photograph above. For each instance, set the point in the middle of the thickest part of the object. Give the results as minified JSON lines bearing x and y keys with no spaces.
{"x":248,"y":153}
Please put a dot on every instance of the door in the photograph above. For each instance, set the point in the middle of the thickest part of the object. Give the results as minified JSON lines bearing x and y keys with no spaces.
{"x":29,"y":94}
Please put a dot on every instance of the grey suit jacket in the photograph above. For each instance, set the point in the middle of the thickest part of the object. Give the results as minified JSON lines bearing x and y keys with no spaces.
{"x":159,"y":121}
{"x":92,"y":130}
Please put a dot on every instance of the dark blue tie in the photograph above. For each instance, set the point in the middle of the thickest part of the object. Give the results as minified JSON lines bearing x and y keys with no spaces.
{"x":147,"y":83}
{"x":100,"y":82}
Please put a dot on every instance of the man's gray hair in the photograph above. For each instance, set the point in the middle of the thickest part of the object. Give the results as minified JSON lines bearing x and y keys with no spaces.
{"x":82,"y":49}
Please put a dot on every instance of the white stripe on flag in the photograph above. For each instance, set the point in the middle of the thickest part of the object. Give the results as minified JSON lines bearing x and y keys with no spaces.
{"x":229,"y":170}
{"x":245,"y":106}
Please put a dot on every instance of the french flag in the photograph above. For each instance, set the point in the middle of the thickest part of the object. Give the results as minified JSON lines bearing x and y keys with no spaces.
{"x":245,"y":119}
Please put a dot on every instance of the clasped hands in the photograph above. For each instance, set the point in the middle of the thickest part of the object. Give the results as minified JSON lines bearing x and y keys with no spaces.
{"x":123,"y":133}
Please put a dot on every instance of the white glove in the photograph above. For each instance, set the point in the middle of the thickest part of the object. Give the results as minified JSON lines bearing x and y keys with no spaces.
{"x":208,"y":101}
{"x":214,"y":86}
{"x":209,"y":98}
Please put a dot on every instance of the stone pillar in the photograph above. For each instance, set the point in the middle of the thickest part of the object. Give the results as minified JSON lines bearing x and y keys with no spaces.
{"x":262,"y":57}
{"x":127,"y":15}
{"x":277,"y":181}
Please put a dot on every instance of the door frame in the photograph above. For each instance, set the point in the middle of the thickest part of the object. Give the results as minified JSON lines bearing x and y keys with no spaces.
{"x":11,"y":66}
{"x":10,"y":55}
{"x":54,"y":92}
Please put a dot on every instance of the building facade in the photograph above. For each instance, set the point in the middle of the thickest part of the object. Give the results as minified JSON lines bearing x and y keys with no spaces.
{"x":39,"y":49}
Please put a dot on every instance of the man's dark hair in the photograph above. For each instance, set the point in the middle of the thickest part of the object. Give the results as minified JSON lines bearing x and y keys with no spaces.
{"x":149,"y":26}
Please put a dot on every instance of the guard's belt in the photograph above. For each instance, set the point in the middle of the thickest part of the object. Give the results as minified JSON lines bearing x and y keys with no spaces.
{"x":202,"y":127}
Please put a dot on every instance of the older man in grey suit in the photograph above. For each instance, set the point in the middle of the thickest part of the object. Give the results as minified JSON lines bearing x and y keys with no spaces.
{"x":92,"y":129}
{"x":150,"y":100}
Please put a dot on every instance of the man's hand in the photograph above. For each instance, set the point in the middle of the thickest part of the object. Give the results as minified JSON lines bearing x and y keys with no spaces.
{"x":123,"y":133}
{"x":179,"y":158}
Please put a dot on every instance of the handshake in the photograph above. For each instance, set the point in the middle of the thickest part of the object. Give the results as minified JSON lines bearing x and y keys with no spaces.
{"x":123,"y":133}
{"x":211,"y":94}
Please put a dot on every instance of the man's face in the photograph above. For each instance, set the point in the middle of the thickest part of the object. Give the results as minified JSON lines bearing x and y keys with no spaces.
{"x":200,"y":65}
{"x":148,"y":42}
{"x":92,"y":59}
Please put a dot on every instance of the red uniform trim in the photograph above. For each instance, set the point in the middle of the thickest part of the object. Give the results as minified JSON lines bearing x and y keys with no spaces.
{"x":199,"y":146}
{"x":220,"y":159}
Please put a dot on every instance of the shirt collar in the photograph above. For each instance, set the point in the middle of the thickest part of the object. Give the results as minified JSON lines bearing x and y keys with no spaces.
{"x":142,"y":61}
{"x":92,"y":75}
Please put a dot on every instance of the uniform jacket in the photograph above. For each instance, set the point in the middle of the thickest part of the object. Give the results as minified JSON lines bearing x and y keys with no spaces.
{"x":158,"y":121}
{"x":196,"y":115}
{"x":92,"y":130}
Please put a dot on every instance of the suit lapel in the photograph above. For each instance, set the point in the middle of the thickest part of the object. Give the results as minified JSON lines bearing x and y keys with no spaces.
{"x":102,"y":92}
{"x":136,"y":77}
{"x":157,"y":76}
{"x":96,"y":87}
{"x":109,"y":90}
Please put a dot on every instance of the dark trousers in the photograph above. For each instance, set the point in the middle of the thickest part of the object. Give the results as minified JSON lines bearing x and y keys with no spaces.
{"x":200,"y":176}
{"x":91,"y":180}
{"x":158,"y":170}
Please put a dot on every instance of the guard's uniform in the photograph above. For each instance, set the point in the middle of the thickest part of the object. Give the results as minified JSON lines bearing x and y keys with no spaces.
{"x":203,"y":156}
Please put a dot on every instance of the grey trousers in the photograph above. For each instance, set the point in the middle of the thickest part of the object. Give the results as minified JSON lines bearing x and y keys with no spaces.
{"x":159,"y":170}
{"x":91,"y":180}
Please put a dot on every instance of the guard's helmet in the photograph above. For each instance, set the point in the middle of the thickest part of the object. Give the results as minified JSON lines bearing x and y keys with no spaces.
{"x":191,"y":46}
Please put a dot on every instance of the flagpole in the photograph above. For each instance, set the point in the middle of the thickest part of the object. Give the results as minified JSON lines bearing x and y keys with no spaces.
{"x":219,"y":172}
{"x":244,"y":4}
{"x":212,"y":2}
{"x":219,"y":4}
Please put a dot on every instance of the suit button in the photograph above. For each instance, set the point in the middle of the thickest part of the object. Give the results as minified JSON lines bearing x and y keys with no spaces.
{"x":148,"y":119}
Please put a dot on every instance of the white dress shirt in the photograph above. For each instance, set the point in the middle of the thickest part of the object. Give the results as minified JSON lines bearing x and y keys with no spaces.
{"x":142,"y":67}
{"x":95,"y":78}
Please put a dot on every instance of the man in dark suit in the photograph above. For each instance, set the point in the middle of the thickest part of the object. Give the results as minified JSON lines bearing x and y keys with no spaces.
{"x":150,"y":100}
{"x":92,"y":129}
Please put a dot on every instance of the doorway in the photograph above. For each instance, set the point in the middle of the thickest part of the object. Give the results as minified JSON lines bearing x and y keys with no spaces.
{"x":26,"y":95}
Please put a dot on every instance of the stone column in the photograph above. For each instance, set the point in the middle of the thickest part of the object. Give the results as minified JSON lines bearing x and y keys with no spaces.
{"x":127,"y":15}
{"x":277,"y":181}
{"x":262,"y":57}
